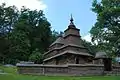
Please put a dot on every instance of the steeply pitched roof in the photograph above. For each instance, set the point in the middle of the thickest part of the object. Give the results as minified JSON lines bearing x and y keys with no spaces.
{"x":59,"y":40}
{"x":70,"y":52}
{"x":69,"y":34}
{"x":64,"y":46}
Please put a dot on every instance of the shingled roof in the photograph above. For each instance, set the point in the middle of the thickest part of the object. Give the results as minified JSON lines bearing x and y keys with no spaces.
{"x":70,"y":52}
{"x":59,"y":40}
{"x":64,"y":46}
{"x":70,"y":43}
{"x":101,"y":54}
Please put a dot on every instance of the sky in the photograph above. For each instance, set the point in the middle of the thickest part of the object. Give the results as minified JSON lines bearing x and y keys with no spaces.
{"x":58,"y":13}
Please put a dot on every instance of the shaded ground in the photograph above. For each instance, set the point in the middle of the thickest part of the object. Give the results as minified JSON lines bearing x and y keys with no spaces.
{"x":11,"y":74}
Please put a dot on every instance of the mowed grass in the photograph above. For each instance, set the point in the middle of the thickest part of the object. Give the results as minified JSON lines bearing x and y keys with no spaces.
{"x":29,"y":77}
{"x":10,"y":70}
{"x":12,"y":75}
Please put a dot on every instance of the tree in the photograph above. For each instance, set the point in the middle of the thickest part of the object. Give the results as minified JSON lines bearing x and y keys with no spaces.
{"x":106,"y":30}
{"x":91,"y":48}
{"x":21,"y":33}
{"x":38,"y":30}
{"x":36,"y":57}
{"x":31,"y":31}
{"x":8,"y":16}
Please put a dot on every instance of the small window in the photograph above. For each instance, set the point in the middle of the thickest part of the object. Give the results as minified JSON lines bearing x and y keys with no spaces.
{"x":57,"y":62}
{"x":77,"y":60}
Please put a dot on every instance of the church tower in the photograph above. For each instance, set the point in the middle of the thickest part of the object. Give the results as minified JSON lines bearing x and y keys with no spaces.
{"x":72,"y":35}
{"x":67,"y":49}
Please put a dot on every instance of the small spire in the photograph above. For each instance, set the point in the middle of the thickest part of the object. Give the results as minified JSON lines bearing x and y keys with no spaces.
{"x":71,"y":20}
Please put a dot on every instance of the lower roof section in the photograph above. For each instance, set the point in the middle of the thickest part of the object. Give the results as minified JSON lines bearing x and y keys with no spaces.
{"x":64,"y":46}
{"x":69,"y":52}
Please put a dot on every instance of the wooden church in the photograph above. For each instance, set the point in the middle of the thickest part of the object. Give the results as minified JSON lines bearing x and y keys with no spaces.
{"x":68,"y":48}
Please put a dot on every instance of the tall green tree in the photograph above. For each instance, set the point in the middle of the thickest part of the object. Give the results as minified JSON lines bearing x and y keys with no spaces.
{"x":106,"y":30}
{"x":8,"y":16}
{"x":38,"y":30}
{"x":24,"y":34}
{"x":31,"y":31}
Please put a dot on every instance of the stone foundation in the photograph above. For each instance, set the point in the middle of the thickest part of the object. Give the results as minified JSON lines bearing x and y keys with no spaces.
{"x":63,"y":70}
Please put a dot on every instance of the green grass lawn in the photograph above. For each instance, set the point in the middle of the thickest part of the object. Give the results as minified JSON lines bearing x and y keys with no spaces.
{"x":12,"y":75}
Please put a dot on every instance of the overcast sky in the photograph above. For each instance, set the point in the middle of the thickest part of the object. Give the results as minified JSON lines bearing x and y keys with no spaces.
{"x":58,"y":13}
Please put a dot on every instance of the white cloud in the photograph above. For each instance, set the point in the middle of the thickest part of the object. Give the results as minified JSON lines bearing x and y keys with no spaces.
{"x":32,"y":4}
{"x":87,"y":38}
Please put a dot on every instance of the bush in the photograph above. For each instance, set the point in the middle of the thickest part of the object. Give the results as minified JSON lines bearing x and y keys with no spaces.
{"x":36,"y":57}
